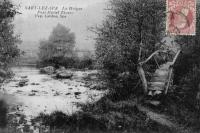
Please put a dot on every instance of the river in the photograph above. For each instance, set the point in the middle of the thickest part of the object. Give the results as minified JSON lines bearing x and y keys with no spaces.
{"x":44,"y":94}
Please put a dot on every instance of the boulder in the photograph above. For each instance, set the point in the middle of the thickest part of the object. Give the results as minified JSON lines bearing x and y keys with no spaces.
{"x":47,"y":70}
{"x":64,"y":75}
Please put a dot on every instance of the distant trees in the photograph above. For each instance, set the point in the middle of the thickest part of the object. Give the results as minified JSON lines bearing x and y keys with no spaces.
{"x":86,"y":61}
{"x":59,"y":48}
{"x":130,"y":25}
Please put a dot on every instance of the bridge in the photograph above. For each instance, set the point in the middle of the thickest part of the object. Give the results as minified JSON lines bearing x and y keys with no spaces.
{"x":156,"y":72}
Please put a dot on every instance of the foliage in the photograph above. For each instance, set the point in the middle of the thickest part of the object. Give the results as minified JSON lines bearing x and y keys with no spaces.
{"x":8,"y":40}
{"x":190,"y":50}
{"x":187,"y":69}
{"x":103,"y":116}
{"x":86,"y":61}
{"x":8,"y":48}
{"x":131,"y":24}
{"x":184,"y":103}
{"x":59,"y":48}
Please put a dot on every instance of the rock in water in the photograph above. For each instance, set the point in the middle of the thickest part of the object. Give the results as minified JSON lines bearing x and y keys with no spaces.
{"x":63,"y":75}
{"x":77,"y":93}
{"x":47,"y":70}
{"x":23,"y":82}
{"x":31,"y":94}
{"x":24,"y":77}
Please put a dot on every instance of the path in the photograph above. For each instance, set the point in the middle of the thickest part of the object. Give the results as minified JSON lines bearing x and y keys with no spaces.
{"x":163,"y":119}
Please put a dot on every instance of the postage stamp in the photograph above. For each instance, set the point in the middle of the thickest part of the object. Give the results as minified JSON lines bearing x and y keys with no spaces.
{"x":181,"y":17}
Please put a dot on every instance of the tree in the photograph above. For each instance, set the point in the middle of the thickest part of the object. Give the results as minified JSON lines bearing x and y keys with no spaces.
{"x":8,"y":40}
{"x":8,"y":48}
{"x":63,"y":40}
{"x":131,"y":24}
{"x":59,"y":48}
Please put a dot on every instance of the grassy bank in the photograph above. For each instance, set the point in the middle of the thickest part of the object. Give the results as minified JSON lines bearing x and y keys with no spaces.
{"x":104,"y":116}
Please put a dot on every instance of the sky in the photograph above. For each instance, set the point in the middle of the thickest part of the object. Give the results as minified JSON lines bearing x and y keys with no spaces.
{"x":34,"y":29}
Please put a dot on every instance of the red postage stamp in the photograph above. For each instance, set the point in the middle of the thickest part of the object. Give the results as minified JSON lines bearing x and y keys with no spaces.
{"x":181,"y":17}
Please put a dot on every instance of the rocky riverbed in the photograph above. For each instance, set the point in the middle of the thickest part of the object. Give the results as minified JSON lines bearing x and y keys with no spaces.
{"x":36,"y":93}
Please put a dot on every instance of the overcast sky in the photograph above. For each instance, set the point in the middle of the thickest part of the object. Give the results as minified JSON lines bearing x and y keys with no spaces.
{"x":34,"y":29}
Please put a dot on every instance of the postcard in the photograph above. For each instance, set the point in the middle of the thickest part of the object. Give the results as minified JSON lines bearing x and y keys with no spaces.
{"x":99,"y":66}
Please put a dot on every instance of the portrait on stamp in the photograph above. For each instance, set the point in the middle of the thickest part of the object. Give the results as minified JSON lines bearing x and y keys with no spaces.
{"x":181,"y":17}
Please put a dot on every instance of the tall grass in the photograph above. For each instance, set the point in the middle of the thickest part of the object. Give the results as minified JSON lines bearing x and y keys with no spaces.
{"x":104,"y":116}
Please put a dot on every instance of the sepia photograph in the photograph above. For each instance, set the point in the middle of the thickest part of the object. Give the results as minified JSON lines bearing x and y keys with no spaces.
{"x":99,"y":66}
